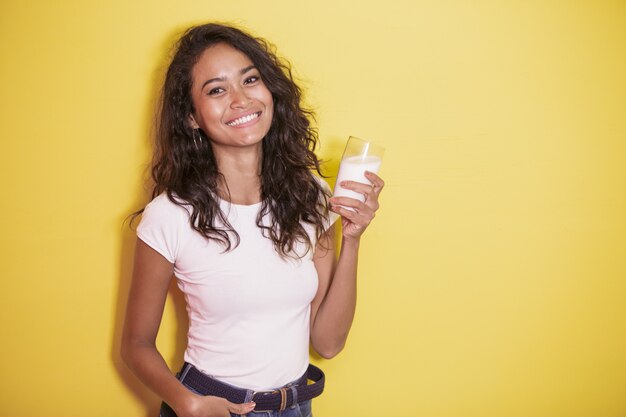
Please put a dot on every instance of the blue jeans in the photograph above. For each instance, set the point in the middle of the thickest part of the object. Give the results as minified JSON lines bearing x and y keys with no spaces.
{"x":302,"y":409}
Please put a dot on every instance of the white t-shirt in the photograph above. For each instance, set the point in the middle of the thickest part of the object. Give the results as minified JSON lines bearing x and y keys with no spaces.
{"x":249,"y":308}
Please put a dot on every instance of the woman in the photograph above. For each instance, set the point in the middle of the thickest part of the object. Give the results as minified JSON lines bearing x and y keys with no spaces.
{"x":240,"y":220}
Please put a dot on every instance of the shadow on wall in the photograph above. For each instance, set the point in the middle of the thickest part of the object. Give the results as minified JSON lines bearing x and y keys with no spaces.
{"x":127,"y":236}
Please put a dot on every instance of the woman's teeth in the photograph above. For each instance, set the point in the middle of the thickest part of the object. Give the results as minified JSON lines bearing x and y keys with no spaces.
{"x":244,"y":119}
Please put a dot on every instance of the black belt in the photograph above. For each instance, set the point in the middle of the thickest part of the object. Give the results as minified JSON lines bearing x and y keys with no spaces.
{"x":271,"y":400}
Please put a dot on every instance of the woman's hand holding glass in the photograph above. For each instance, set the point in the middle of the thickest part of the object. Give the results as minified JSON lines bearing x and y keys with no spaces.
{"x":358,"y":186}
{"x":356,"y":215}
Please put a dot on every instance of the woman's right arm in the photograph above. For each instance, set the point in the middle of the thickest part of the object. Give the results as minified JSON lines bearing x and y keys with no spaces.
{"x":150,"y":282}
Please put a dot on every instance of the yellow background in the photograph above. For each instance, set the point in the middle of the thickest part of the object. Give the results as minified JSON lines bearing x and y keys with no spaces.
{"x":493,"y":280}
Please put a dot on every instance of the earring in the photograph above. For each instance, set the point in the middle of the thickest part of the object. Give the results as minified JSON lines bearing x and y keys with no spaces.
{"x":196,"y":134}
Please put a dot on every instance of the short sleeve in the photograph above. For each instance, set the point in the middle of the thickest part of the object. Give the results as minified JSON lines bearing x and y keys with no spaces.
{"x":162,"y":227}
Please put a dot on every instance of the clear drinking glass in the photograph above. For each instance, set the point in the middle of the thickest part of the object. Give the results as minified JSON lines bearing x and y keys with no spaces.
{"x":359,"y":156}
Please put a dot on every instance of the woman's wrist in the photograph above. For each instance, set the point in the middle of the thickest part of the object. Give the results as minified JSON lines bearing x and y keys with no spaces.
{"x":351,"y":242}
{"x":186,"y":404}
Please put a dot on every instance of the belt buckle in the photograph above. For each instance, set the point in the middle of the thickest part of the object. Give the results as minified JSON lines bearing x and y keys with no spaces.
{"x":283,"y":399}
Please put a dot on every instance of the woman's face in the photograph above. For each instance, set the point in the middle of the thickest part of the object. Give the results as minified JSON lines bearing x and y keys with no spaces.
{"x":232,"y":105}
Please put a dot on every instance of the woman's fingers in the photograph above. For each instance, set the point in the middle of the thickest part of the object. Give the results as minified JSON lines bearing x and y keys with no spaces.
{"x":244,"y":408}
{"x":353,"y":210}
{"x":369,"y":191}
{"x":377,"y":182}
{"x":359,"y":187}
{"x":212,"y":406}
{"x":359,"y":206}
{"x":357,"y":215}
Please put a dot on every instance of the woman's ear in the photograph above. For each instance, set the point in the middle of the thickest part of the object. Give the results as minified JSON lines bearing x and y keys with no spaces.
{"x":192,"y":122}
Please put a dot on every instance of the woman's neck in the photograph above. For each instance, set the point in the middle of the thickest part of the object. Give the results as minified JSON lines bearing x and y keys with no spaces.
{"x":241,"y":175}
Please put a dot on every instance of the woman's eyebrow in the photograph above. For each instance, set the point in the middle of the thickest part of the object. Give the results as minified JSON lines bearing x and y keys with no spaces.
{"x":241,"y":72}
{"x":246,"y":69}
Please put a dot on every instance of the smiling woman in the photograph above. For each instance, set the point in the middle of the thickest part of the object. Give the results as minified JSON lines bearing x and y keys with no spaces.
{"x":240,"y":219}
{"x":231,"y":102}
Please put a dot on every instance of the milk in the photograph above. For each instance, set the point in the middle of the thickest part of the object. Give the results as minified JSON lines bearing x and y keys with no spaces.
{"x":352,"y":168}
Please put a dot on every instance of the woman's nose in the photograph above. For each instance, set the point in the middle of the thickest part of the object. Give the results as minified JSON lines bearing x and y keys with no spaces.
{"x":239,"y":99}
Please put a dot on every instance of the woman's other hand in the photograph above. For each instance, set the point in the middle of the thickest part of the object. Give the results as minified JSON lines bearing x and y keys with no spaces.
{"x":210,"y":406}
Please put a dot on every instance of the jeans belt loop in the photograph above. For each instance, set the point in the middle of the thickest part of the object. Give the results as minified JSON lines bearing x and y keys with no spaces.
{"x":283,"y":399}
{"x":294,"y":392}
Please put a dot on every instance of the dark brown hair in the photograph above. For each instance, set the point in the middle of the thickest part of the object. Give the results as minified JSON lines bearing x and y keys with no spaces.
{"x":186,"y":170}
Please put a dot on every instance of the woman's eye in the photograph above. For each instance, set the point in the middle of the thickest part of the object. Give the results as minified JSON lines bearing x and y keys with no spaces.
{"x":251,"y":80}
{"x":215,"y":90}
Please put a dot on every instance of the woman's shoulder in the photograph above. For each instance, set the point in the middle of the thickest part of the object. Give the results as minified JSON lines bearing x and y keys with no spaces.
{"x":163,"y":204}
{"x":164,"y":226}
{"x":323,"y":183}
{"x":329,"y":216}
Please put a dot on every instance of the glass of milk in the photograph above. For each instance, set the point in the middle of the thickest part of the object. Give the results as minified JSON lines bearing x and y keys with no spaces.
{"x":359,"y":156}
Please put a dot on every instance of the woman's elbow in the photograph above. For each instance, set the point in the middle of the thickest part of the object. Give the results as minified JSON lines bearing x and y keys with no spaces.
{"x":330,"y":350}
{"x":128,"y":351}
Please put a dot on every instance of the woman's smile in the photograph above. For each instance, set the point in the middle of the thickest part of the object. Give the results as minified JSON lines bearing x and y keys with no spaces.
{"x":245,"y":121}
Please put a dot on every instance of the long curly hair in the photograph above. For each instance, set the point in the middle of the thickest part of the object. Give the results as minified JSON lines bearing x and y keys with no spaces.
{"x":185,"y":169}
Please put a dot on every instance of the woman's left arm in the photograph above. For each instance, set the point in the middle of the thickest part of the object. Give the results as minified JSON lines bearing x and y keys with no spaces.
{"x":332,"y":309}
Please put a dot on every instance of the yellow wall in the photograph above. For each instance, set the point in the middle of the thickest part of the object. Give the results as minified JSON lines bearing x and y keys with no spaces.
{"x":493,"y":280}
